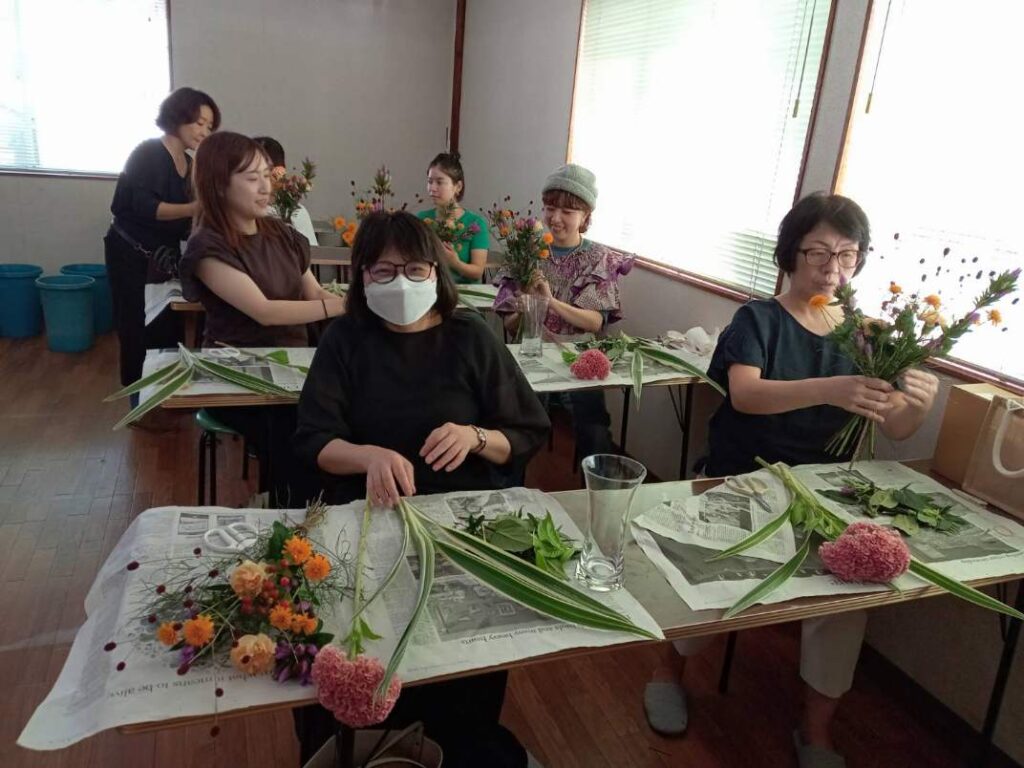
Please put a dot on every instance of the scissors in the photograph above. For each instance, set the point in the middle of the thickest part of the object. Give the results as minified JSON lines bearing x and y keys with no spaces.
{"x":230,"y":539}
{"x":224,"y":353}
{"x":753,"y":487}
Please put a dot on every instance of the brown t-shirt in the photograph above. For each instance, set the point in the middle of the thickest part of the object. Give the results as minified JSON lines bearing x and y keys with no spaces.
{"x":275,"y":263}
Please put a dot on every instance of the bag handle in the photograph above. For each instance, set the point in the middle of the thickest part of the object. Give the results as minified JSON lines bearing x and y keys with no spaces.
{"x":1009,"y":406}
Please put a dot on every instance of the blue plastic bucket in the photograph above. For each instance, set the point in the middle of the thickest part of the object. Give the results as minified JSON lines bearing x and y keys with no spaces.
{"x":67,"y":306}
{"x":102,"y":304}
{"x":21,"y":315}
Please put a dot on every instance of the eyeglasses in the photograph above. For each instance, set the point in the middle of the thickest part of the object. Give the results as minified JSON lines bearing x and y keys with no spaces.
{"x":385,"y":271}
{"x":819,"y":257}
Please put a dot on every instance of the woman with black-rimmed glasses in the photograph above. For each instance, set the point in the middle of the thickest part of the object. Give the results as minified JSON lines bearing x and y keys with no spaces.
{"x":407,"y":396}
{"x":789,"y":389}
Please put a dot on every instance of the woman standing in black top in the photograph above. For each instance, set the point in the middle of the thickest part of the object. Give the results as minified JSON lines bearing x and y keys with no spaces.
{"x":407,"y":396}
{"x":789,"y":389}
{"x":153,"y":209}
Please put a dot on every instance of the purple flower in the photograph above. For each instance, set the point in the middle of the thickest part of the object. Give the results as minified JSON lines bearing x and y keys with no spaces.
{"x":284,"y":651}
{"x":187,"y":654}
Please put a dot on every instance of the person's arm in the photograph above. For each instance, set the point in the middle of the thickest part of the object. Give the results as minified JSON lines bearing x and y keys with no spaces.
{"x":751,"y":394}
{"x":449,"y":445}
{"x":173,"y":211}
{"x":313,"y":291}
{"x":910,"y":405}
{"x":238,"y":289}
{"x":587,"y":320}
{"x":474,"y":270}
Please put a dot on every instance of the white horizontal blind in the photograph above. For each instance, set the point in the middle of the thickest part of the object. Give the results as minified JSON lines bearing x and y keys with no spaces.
{"x":939,"y":160}
{"x":685,"y":111}
{"x":80,"y":81}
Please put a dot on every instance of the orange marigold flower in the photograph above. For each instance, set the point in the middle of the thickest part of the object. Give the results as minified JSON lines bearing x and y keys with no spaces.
{"x":548,"y":238}
{"x":894,"y":289}
{"x":198,"y":631}
{"x":167,"y":634}
{"x":303,"y":625}
{"x":281,"y":616}
{"x":544,"y":253}
{"x":995,"y":316}
{"x":933,"y":300}
{"x":298,"y":549}
{"x":317,"y":568}
{"x":503,"y":231}
{"x":819,"y":301}
{"x":339,"y":223}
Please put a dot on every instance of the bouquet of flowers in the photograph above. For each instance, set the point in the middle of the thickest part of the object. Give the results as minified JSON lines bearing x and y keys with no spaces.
{"x":257,"y":610}
{"x":448,"y":229}
{"x":377,"y":197}
{"x":526,"y":242}
{"x":290,"y":189}
{"x":347,"y":229}
{"x":911,"y":330}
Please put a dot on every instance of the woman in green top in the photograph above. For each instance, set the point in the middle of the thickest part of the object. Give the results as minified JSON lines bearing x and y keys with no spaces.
{"x":446,"y":184}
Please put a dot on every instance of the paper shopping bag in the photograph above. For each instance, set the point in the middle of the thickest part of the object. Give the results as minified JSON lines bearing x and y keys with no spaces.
{"x":996,"y":469}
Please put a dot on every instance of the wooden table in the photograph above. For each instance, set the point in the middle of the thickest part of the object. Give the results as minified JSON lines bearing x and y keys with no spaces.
{"x":678,"y":620}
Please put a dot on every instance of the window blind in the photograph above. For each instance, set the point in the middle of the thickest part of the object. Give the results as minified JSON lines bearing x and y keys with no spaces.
{"x":694,"y":114}
{"x":80,"y":81}
{"x":938,"y":158}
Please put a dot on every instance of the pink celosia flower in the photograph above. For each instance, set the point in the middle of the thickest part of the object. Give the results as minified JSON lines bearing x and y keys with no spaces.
{"x":347,"y":688}
{"x":592,"y":364}
{"x":866,"y":552}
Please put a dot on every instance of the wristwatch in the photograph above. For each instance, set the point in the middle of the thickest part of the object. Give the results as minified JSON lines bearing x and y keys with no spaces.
{"x":481,"y":439}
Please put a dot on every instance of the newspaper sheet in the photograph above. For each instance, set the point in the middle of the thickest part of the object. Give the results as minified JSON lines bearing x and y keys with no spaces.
{"x":720,"y":518}
{"x":285,"y":376}
{"x":550,"y":373}
{"x":159,"y":296}
{"x":990,"y":545}
{"x":467,"y":626}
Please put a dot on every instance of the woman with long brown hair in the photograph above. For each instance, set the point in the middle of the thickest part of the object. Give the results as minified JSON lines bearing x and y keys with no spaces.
{"x":251,"y":273}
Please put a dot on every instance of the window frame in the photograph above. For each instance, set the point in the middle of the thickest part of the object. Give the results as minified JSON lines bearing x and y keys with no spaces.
{"x":58,"y":173}
{"x":695,"y":279}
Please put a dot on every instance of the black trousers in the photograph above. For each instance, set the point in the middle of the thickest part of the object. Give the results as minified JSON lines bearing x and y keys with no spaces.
{"x":127,"y":271}
{"x":460,"y":715}
{"x":591,"y":423}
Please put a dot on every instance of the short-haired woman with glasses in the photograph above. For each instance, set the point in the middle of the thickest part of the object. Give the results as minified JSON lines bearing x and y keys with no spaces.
{"x":407,"y":396}
{"x":789,"y":389}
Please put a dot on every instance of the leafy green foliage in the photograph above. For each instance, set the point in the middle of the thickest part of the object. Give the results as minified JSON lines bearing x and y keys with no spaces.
{"x":535,"y":539}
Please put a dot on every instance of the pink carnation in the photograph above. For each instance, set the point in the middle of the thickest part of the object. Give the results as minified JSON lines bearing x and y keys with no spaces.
{"x":866,"y":552}
{"x":347,"y":688}
{"x":592,"y":364}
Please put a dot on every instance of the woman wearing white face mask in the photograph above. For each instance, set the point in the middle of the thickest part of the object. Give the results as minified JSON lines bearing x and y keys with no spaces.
{"x":406,"y":396}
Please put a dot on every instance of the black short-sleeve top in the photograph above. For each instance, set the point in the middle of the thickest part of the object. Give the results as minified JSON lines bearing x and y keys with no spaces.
{"x":148,"y":179}
{"x":276,"y":258}
{"x":764,"y":335}
{"x":371,"y":386}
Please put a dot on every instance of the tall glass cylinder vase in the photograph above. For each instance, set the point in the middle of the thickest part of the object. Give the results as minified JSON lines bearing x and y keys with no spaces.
{"x":534,"y":309}
{"x":611,"y":485}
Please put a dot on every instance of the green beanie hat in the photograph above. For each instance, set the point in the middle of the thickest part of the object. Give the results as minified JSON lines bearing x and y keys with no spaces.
{"x":576,"y":180}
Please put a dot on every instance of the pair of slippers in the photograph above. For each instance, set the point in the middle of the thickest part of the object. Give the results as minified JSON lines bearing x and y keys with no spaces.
{"x":667,"y":714}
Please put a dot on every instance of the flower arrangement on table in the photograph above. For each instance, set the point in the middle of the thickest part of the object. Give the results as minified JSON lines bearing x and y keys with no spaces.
{"x":347,"y":229}
{"x":594,"y":359}
{"x":448,"y":229}
{"x":290,"y":189}
{"x":858,"y":552}
{"x":911,"y":330}
{"x":524,"y":239}
{"x":257,"y":610}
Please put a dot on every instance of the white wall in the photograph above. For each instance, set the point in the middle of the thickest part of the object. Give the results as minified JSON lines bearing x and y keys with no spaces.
{"x":517,"y":78}
{"x":351,"y":84}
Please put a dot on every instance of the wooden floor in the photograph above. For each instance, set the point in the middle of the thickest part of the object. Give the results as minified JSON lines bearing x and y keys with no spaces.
{"x":69,"y":487}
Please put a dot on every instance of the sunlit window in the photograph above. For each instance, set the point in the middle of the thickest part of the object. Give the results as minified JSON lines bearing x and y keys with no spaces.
{"x":80,"y":81}
{"x":938,"y":159}
{"x":694,"y":115}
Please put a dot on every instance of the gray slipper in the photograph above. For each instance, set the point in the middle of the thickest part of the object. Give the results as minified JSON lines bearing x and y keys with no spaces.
{"x":665,"y":706}
{"x":812,"y":756}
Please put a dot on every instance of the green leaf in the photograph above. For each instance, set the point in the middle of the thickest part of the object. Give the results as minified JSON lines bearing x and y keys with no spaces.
{"x":764,"y":532}
{"x":172,"y":386}
{"x":426,"y":554}
{"x":772,"y":582}
{"x":241,"y":379}
{"x":636,"y":369}
{"x":160,"y":376}
{"x":278,"y":356}
{"x":840,"y":497}
{"x":510,"y":533}
{"x":964,"y":592}
{"x":905,"y":523}
{"x":569,"y":357}
{"x":279,"y":534}
{"x":882,"y":498}
{"x":320,"y":639}
{"x":681,"y":365}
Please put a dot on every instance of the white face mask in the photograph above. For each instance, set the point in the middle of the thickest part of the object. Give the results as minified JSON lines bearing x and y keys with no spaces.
{"x":402,"y":301}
